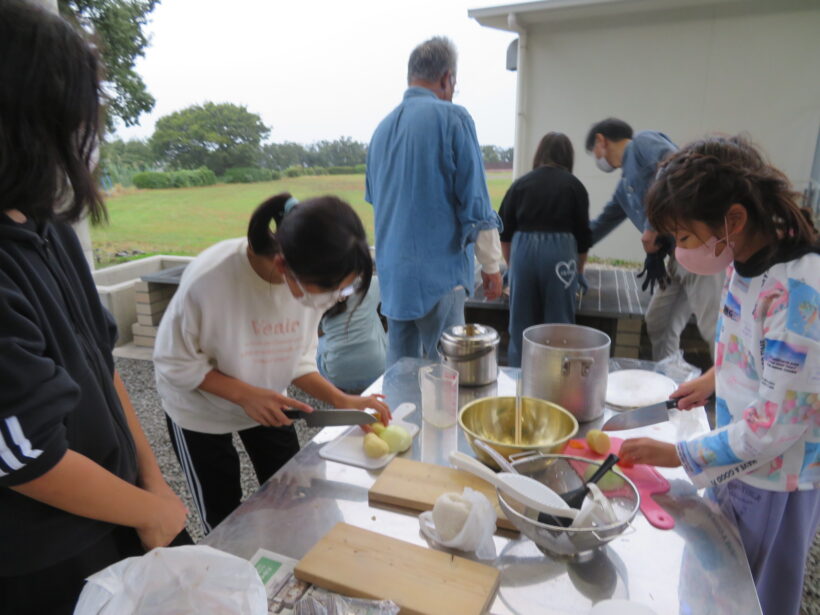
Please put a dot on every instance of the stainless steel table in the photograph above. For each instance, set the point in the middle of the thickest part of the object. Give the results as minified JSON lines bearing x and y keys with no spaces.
{"x":697,"y":568}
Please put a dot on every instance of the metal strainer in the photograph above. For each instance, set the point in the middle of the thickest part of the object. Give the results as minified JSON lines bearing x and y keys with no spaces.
{"x":563,"y":473}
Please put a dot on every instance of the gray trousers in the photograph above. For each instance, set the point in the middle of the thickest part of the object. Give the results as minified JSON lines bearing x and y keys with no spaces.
{"x":669,"y":310}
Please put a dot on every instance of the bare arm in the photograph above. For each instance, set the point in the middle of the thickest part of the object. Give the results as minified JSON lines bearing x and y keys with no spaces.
{"x":262,"y":405}
{"x":80,"y":486}
{"x":505,"y":251}
{"x":149,"y":476}
{"x":314,"y":384}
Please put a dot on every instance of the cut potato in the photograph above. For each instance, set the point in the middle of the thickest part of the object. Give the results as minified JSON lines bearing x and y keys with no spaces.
{"x":374,"y":446}
{"x":598,"y":441}
{"x":397,"y":438}
{"x":378,"y":427}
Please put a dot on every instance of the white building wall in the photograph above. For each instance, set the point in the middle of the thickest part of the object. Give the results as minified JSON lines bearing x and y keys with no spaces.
{"x":684,"y":72}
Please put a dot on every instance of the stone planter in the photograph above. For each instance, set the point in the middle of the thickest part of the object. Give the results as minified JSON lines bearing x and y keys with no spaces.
{"x":116,"y":286}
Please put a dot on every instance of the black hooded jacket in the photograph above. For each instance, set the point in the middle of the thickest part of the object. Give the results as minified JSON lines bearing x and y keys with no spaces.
{"x":56,"y":390}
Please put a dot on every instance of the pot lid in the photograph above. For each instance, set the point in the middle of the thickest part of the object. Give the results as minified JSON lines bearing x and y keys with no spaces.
{"x":460,"y":339}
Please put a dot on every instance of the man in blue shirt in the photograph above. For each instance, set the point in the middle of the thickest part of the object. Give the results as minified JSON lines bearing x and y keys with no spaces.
{"x":425,"y":179}
{"x":682,"y":293}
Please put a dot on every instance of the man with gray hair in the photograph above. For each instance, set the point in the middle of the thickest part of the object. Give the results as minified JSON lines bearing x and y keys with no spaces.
{"x":425,"y":180}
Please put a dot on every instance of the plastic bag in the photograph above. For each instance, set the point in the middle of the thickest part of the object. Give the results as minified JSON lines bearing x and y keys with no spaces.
{"x":476,"y":534}
{"x":180,"y":580}
{"x":321,"y":602}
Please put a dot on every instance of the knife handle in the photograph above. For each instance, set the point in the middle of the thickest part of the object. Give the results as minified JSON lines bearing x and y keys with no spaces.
{"x":293,"y":413}
{"x":671,"y":403}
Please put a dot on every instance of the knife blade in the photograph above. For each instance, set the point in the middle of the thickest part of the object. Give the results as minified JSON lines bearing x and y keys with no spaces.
{"x":640,"y":417}
{"x":328,"y":418}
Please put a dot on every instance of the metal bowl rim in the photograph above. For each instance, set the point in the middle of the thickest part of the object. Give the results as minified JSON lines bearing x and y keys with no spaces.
{"x":607,"y":344}
{"x":522,"y":447}
{"x":573,"y":530}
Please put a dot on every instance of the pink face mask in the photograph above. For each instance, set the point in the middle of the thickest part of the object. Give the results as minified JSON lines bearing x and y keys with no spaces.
{"x":702,"y":260}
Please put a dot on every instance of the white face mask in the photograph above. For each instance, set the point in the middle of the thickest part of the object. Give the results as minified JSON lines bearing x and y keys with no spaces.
{"x":318,"y":301}
{"x":323,"y":301}
{"x":602,"y":164}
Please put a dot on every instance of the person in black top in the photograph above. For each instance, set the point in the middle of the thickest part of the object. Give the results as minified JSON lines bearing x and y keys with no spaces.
{"x":80,"y":488}
{"x":545,"y":240}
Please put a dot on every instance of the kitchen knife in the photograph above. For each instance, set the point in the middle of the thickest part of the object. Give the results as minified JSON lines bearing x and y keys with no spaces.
{"x":648,"y":415}
{"x":327,"y":418}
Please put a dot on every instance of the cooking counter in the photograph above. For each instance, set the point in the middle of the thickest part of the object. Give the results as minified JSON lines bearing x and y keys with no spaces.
{"x":697,"y":567}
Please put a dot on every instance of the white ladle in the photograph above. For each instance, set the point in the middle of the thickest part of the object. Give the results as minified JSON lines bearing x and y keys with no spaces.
{"x":502,"y":461}
{"x":526,"y":490}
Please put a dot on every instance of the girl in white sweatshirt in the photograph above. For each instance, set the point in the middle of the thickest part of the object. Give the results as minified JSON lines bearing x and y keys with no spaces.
{"x":243,"y":326}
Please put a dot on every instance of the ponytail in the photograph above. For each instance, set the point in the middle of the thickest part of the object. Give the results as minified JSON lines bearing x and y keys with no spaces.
{"x":260,"y":237}
{"x":322,"y":239}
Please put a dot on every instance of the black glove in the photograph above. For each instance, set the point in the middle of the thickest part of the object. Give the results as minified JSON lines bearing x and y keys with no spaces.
{"x":654,"y":266}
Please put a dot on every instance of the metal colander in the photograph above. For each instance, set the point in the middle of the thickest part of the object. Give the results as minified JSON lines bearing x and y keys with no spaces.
{"x":563,"y":473}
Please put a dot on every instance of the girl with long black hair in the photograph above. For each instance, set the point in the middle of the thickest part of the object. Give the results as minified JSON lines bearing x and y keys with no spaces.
{"x":80,"y":488}
{"x":242,"y":326}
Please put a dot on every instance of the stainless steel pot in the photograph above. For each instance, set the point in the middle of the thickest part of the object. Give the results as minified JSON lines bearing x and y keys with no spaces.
{"x":567,"y":365}
{"x":471,"y":350}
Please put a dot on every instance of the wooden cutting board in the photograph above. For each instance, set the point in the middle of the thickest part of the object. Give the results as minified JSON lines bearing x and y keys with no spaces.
{"x":363,"y":564}
{"x":417,"y":485}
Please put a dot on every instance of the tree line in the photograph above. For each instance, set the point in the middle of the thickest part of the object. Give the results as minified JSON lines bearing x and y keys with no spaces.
{"x":225,"y":136}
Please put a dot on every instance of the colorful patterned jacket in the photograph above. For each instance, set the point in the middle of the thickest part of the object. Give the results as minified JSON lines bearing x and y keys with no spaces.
{"x":768,"y":382}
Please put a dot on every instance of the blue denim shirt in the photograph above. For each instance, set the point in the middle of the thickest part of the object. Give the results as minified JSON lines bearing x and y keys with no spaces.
{"x":638,"y":167}
{"x":425,"y":179}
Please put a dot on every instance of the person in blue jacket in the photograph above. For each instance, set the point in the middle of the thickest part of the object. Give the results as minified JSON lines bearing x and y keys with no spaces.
{"x":545,"y":240}
{"x":353,"y":346}
{"x":681,"y":293}
{"x":425,"y":180}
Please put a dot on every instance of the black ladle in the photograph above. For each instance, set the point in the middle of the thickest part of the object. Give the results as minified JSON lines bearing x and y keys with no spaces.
{"x":575,"y":498}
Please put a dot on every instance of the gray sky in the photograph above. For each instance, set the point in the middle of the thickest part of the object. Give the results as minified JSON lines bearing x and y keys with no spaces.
{"x":319,"y":69}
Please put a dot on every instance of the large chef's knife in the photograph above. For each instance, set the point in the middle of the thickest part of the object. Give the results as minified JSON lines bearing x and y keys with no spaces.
{"x":648,"y":415}
{"x":327,"y":418}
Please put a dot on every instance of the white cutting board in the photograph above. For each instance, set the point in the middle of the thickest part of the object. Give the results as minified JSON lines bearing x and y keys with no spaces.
{"x":349,"y":447}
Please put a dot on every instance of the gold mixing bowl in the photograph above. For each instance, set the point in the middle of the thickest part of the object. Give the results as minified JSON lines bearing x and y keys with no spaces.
{"x":545,"y":427}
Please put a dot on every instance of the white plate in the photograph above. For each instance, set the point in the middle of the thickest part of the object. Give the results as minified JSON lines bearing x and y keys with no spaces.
{"x":349,"y":447}
{"x":635,"y":388}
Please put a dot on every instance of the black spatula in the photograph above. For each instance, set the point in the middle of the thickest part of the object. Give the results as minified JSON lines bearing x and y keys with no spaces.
{"x":575,"y":498}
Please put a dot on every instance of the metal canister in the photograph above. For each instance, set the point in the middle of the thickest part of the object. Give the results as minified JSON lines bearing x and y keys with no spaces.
{"x":471,"y":350}
{"x":567,"y":365}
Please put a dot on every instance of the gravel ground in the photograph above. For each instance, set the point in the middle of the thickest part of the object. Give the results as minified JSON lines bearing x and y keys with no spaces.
{"x":138,"y":377}
{"x":139,"y":380}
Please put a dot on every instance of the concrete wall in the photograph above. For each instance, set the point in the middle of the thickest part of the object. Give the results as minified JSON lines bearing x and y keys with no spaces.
{"x":750,"y":67}
{"x":117,"y":288}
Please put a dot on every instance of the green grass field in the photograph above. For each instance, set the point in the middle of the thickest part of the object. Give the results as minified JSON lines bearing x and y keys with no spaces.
{"x":188,"y":220}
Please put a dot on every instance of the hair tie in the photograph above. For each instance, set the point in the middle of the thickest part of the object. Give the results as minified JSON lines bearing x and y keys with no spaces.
{"x":290,"y":204}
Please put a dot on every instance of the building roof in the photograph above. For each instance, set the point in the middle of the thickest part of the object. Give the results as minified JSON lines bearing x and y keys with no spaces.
{"x":546,"y":11}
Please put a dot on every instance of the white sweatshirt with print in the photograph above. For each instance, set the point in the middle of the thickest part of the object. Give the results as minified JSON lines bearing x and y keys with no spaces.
{"x":225,"y":317}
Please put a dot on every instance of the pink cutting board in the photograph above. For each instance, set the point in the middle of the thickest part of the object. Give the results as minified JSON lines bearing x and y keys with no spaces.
{"x":646,"y":479}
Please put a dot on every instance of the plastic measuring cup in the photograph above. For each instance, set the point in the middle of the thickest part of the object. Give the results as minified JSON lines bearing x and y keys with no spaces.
{"x":439,"y":395}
